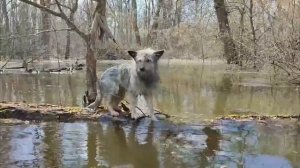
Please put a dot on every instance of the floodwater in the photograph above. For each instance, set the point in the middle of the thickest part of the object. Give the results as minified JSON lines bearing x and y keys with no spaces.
{"x":192,"y":93}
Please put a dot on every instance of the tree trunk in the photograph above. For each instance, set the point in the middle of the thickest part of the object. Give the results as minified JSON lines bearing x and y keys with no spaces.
{"x":71,"y":17}
{"x":241,"y":51}
{"x":253,"y":32}
{"x":5,"y":13}
{"x":67,"y":54}
{"x":91,"y":75}
{"x":167,"y":14}
{"x":178,"y":12}
{"x":98,"y":29}
{"x":6,"y":29}
{"x":120,"y":21}
{"x":134,"y":23}
{"x":34,"y":17}
{"x":153,"y":34}
{"x":225,"y":33}
{"x":46,"y":25}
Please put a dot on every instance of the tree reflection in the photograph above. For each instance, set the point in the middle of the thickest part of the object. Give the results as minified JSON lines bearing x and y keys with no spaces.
{"x":52,"y":140}
{"x":223,"y":92}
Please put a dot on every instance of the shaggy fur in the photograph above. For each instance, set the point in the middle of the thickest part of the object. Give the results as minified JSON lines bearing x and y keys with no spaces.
{"x":138,"y":78}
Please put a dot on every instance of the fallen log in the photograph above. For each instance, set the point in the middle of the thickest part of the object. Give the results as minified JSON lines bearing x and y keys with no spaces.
{"x":259,"y":117}
{"x":48,"y":112}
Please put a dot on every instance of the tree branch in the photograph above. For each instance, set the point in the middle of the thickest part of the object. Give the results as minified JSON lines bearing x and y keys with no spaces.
{"x":34,"y":34}
{"x":61,"y":15}
{"x":70,"y":23}
{"x":42,"y":8}
{"x":65,"y":6}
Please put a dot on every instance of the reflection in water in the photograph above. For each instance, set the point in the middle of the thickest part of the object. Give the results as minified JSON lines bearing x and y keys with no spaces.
{"x":52,"y":138}
{"x":159,"y":144}
{"x":212,"y":143}
{"x":222,"y":95}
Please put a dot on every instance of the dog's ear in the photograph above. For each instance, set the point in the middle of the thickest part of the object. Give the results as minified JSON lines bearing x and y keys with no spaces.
{"x":132,"y":54}
{"x":158,"y":54}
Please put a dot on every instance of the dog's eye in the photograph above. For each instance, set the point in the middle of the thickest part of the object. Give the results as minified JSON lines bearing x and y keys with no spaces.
{"x":148,"y":60}
{"x":139,"y":60}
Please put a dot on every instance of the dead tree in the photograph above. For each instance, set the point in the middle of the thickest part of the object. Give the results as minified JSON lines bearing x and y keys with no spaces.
{"x":98,"y":29}
{"x":225,"y":33}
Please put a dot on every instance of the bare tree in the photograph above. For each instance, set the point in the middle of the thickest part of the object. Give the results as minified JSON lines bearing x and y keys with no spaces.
{"x":97,"y":30}
{"x":225,"y":32}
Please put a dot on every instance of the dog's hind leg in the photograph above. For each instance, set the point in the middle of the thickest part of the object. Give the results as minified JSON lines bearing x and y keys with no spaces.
{"x":111,"y":104}
{"x":116,"y":99}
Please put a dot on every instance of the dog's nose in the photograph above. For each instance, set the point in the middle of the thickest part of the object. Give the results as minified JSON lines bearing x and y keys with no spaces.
{"x":142,"y":69}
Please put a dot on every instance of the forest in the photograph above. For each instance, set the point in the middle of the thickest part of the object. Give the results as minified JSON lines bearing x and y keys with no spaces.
{"x":228,"y":93}
{"x":250,"y":33}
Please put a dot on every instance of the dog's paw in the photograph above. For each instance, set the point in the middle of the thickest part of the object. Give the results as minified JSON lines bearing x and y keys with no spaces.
{"x":154,"y":118}
{"x":114,"y":113}
{"x":89,"y":110}
{"x":136,"y":115}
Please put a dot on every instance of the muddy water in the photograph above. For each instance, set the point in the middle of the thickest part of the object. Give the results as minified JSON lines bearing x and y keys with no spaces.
{"x":191,"y":93}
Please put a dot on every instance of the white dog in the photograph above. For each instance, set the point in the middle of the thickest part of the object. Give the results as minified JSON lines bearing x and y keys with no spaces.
{"x":138,"y":78}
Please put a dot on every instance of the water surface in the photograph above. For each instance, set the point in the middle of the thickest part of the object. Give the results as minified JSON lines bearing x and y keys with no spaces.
{"x":191,"y":93}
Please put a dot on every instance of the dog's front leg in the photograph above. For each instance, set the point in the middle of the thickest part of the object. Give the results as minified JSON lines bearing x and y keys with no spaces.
{"x":149,"y":101}
{"x":133,"y":102}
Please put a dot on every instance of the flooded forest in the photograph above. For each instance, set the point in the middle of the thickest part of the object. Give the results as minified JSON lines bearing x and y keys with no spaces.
{"x":228,"y":92}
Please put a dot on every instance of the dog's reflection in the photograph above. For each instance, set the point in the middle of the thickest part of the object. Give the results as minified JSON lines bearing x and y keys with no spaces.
{"x":118,"y":144}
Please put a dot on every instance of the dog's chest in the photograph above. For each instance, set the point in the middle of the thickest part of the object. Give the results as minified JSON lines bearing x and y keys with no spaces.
{"x":130,"y":80}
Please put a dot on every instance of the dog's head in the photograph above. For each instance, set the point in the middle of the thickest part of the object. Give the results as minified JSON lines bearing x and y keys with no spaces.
{"x":146,"y":60}
{"x":146,"y":65}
